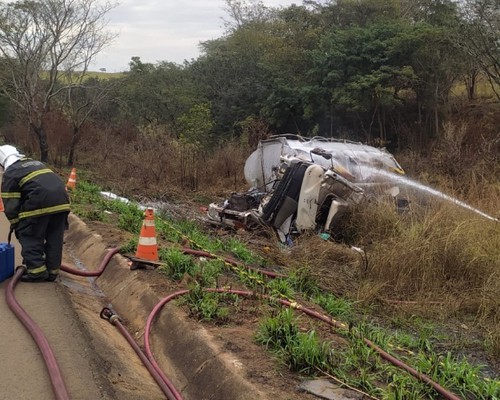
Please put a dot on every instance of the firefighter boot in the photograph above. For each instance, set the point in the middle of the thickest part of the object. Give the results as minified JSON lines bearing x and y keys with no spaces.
{"x":35,"y":275}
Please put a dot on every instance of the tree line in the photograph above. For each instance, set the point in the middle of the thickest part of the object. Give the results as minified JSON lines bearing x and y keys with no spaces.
{"x":381,"y":71}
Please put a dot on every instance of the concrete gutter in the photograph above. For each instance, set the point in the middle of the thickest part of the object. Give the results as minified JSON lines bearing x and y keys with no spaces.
{"x":197,"y":366}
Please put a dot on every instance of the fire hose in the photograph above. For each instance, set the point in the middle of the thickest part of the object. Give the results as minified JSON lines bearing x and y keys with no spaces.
{"x":154,"y":370}
{"x":55,"y":375}
{"x":200,"y":253}
{"x":393,"y":360}
{"x":161,"y":379}
{"x":149,"y":360}
{"x":57,"y":381}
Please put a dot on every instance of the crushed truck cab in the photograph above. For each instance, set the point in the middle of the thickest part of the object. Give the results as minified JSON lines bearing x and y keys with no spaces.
{"x":298,"y":184}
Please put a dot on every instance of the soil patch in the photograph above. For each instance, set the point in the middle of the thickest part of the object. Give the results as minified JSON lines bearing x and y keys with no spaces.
{"x":235,"y":336}
{"x":337,"y":269}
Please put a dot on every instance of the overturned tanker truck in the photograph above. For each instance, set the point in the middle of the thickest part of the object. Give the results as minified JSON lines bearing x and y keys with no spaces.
{"x":298,"y":184}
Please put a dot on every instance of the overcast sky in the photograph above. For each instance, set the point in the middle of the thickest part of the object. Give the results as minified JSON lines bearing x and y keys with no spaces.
{"x":163,"y":30}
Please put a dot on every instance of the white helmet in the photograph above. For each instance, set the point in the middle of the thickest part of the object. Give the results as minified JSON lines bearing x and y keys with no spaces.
{"x":9,"y":155}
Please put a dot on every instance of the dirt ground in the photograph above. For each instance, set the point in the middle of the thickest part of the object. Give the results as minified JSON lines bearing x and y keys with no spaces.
{"x":260,"y":367}
{"x":237,"y":335}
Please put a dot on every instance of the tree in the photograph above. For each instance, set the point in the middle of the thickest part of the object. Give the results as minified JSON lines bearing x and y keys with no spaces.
{"x":43,"y":45}
{"x":291,"y":38}
{"x":360,"y":13}
{"x":80,"y":102}
{"x":157,"y":94}
{"x":363,"y":74}
{"x":196,"y":128}
{"x":244,"y":12}
{"x":436,"y":59}
{"x":233,"y":78}
{"x":481,"y":30}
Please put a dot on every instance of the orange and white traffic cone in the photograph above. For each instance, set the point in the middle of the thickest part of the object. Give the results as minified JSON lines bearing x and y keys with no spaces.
{"x":147,"y":248}
{"x":71,"y":184}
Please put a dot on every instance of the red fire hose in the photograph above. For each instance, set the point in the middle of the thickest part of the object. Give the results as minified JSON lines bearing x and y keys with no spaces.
{"x":55,"y":375}
{"x":113,"y":319}
{"x":149,"y":361}
{"x":147,"y":331}
{"x":161,"y":379}
{"x":99,"y":271}
{"x":232,"y":261}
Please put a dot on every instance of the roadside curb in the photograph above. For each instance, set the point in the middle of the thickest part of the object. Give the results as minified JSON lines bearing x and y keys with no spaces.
{"x":198,"y":367}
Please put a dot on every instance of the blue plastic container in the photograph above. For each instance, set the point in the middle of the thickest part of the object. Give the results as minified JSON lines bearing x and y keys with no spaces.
{"x":6,"y":261}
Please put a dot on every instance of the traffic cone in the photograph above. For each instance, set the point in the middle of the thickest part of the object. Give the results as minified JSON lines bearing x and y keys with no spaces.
{"x":71,"y":184}
{"x":147,"y":248}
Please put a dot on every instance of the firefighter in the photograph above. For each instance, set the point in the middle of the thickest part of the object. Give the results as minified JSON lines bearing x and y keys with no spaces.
{"x":37,"y":206}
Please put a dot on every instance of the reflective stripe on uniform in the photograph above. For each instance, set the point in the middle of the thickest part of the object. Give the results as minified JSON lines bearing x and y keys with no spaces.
{"x":54,"y":271}
{"x":11,"y":195}
{"x":43,"y":211}
{"x":34,"y":174}
{"x":37,"y":270}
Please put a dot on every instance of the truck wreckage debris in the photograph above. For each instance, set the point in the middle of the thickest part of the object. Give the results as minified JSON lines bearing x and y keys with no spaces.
{"x":298,"y":184}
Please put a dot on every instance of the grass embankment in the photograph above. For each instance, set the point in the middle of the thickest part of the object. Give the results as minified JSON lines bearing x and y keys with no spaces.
{"x":418,"y":274}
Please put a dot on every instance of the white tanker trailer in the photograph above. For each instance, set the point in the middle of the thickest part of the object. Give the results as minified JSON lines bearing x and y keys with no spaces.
{"x":299,"y":184}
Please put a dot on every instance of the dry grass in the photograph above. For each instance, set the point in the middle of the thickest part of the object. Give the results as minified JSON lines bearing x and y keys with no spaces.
{"x":438,"y":252}
{"x":444,"y":256}
{"x":335,"y":267}
{"x":224,"y":167}
{"x":437,"y":260}
{"x":442,"y":251}
{"x":162,"y":164}
{"x":445,"y":253}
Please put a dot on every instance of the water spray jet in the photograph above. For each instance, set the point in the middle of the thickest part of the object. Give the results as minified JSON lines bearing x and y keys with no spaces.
{"x":403,"y":180}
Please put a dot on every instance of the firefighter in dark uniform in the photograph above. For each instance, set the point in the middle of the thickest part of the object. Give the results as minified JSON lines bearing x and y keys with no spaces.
{"x":37,"y":206}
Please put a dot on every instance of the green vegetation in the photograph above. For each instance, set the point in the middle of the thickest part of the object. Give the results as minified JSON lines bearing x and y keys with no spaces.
{"x":209,"y":306}
{"x":337,"y":307}
{"x":239,"y":250}
{"x":302,"y":352}
{"x":359,"y":366}
{"x":420,"y":77}
{"x":177,"y":264}
{"x":391,"y":73}
{"x":415,"y":340}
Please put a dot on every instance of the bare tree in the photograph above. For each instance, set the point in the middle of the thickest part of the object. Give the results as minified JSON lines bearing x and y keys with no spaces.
{"x":46,"y":47}
{"x":242,"y":12}
{"x":81,"y":100}
{"x":480,"y":38}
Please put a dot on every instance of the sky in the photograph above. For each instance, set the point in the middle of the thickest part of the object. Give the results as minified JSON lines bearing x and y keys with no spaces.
{"x":163,"y":30}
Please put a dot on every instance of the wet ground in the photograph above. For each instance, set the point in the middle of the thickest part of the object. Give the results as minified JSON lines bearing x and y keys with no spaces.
{"x":95,"y":361}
